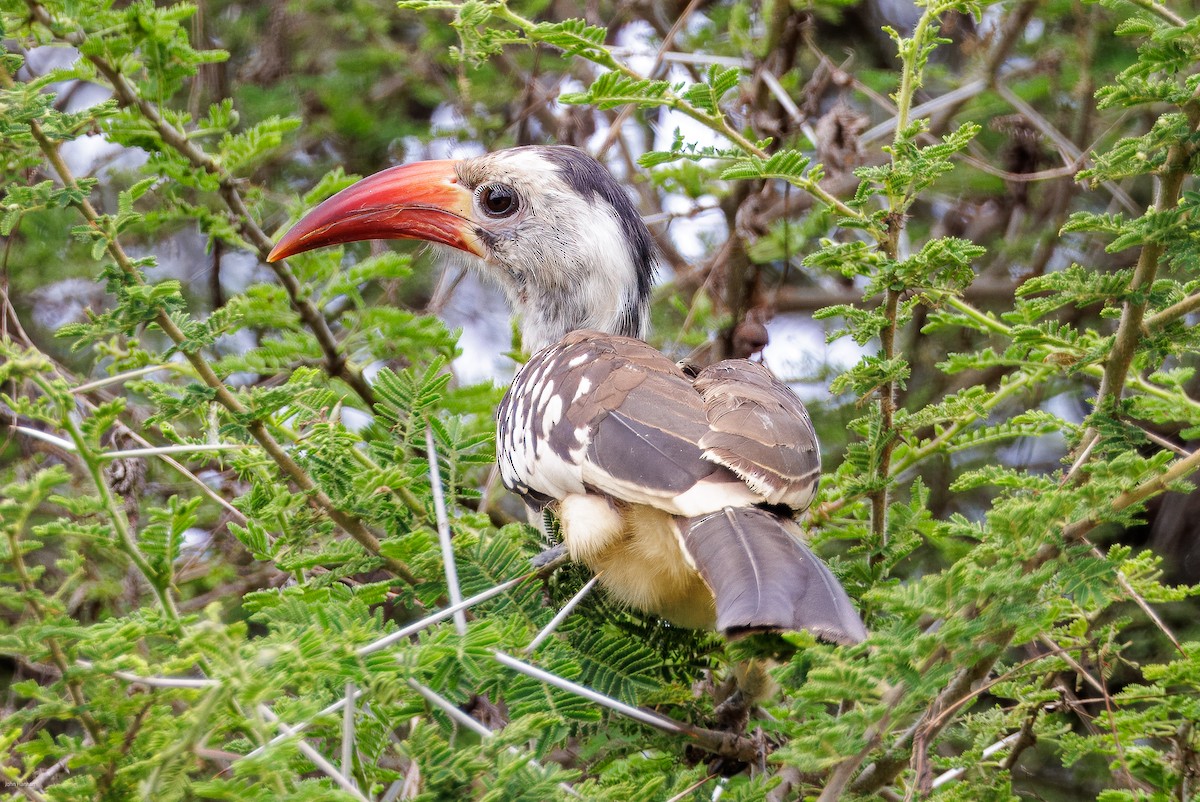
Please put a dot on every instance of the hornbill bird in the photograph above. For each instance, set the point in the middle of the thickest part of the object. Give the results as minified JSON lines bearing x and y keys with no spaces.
{"x":679,"y":490}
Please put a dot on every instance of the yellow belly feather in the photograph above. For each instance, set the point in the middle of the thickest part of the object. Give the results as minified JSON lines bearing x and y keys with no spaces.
{"x":637,"y":551}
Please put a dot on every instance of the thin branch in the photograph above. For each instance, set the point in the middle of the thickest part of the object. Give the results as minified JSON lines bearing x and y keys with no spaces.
{"x":1143,"y":604}
{"x":126,"y":538}
{"x":80,"y":390}
{"x":1071,"y":155}
{"x":1129,"y":330}
{"x":1161,"y":11}
{"x":1130,"y":782}
{"x":16,"y":558}
{"x":42,"y":780}
{"x":1076,"y":666}
{"x":835,"y":786}
{"x":686,"y":792}
{"x":257,"y":428}
{"x":844,"y":771}
{"x":887,"y":413}
{"x":715,"y":121}
{"x":1069,"y":352}
{"x":614,"y":128}
{"x":1172,"y":313}
{"x":961,"y":688}
{"x":31,"y":793}
{"x":1151,"y":487}
{"x":1025,"y":736}
{"x":336,"y":363}
{"x":181,"y":747}
{"x":914,"y":457}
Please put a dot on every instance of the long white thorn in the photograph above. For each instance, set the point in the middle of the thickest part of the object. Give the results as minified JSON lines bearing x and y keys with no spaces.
{"x":348,"y":733}
{"x":127,"y":375}
{"x":964,"y":92}
{"x":635,"y":713}
{"x":388,"y":640}
{"x":443,"y":530}
{"x":954,"y":774}
{"x":158,"y":451}
{"x":191,"y":683}
{"x":304,"y":725}
{"x":315,"y":757}
{"x":548,"y":630}
{"x":443,"y":704}
{"x":440,"y":615}
{"x":782,"y":95}
{"x":36,"y":434}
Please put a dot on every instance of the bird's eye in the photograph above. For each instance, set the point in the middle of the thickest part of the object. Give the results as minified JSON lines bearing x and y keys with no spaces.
{"x":497,"y":200}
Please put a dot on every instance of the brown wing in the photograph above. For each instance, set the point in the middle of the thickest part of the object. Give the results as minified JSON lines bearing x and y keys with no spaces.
{"x":761,"y":431}
{"x":611,"y":415}
{"x":645,"y":419}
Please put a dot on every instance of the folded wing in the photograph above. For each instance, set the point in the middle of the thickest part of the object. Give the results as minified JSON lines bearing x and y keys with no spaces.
{"x":761,"y":431}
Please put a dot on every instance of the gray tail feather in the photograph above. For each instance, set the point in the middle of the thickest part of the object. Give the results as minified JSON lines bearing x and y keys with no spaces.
{"x":765,"y":580}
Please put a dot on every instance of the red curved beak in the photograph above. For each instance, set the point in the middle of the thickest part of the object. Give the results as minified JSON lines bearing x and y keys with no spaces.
{"x":413,"y":201}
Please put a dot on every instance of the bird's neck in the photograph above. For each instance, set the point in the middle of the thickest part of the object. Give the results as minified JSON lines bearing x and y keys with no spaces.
{"x":548,"y":320}
{"x":609,"y":302}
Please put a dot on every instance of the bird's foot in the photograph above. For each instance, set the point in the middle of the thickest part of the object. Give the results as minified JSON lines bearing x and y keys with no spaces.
{"x":549,"y":560}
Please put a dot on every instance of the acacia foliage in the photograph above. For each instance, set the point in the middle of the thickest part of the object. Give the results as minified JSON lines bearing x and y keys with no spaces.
{"x":165,"y":611}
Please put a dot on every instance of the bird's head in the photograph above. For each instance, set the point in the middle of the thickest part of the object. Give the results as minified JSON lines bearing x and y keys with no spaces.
{"x":549,"y":223}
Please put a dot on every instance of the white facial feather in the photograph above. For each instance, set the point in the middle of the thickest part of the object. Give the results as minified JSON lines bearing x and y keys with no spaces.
{"x":563,"y":258}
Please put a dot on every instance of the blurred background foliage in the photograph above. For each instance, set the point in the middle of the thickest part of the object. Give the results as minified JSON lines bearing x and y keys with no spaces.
{"x":997,"y":350}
